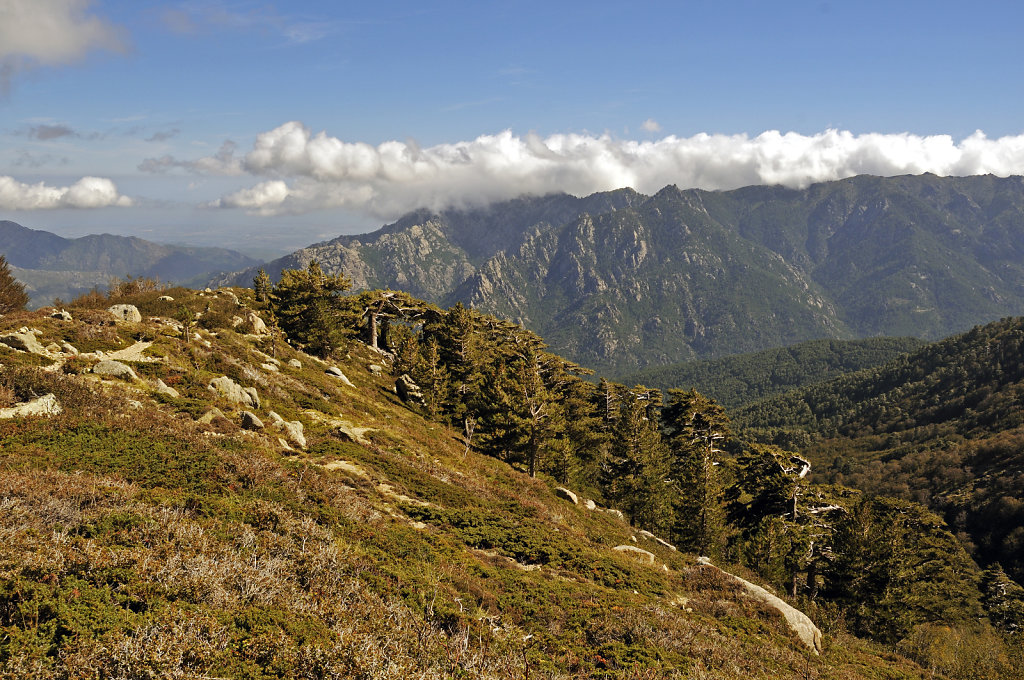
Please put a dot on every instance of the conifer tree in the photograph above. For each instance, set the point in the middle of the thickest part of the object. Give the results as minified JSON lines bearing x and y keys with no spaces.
{"x":311,"y":310}
{"x":636,"y":474}
{"x":262,"y":286}
{"x":12,"y":292}
{"x":697,"y":429}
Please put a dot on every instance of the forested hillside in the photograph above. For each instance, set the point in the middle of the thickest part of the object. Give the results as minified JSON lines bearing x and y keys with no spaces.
{"x":741,"y":379}
{"x":371,"y":486}
{"x":942,"y":425}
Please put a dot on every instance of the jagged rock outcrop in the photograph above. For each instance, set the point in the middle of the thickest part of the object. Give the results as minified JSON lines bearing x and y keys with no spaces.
{"x":45,"y":406}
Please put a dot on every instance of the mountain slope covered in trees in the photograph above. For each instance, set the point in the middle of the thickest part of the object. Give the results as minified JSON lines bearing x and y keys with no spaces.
{"x":621,"y":281}
{"x":942,"y":425}
{"x":377,"y":498}
{"x":737,"y":380}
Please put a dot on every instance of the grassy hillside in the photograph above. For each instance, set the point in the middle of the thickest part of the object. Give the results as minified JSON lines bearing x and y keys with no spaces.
{"x":145,"y":534}
{"x":741,"y":379}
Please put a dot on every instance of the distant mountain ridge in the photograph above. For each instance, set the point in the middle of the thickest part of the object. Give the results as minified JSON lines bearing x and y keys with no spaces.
{"x":619,"y":280}
{"x":53,"y":266}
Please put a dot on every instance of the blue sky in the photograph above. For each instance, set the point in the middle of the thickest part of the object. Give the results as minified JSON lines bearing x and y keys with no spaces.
{"x":269,"y":125}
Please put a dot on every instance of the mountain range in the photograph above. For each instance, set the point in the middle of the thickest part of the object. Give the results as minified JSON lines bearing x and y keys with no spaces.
{"x":52,"y":266}
{"x":620,"y":280}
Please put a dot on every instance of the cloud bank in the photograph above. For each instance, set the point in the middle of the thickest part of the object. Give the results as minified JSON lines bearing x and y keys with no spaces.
{"x":303,"y":171}
{"x":88,"y":192}
{"x":50,"y":32}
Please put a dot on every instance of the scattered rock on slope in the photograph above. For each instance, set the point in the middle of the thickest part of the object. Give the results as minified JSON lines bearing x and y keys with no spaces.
{"x":46,"y":405}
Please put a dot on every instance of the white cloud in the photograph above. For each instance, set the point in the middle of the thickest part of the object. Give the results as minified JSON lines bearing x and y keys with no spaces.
{"x":88,"y":192}
{"x":50,"y":32}
{"x":651,"y":125}
{"x":309,"y":171}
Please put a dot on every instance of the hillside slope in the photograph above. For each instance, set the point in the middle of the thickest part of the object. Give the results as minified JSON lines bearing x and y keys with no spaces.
{"x":51,"y":266}
{"x":152,"y":528}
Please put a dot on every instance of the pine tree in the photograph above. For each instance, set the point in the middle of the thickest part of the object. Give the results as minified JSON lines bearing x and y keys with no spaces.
{"x":12,"y":292}
{"x":697,"y":428}
{"x":311,"y":310}
{"x":262,"y":286}
{"x":636,"y":474}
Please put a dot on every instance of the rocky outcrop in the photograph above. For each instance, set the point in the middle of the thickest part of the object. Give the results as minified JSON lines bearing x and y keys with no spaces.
{"x":45,"y":406}
{"x":336,"y":372}
{"x":292,"y":429}
{"x":250,"y":421}
{"x":115,"y":369}
{"x":235,"y":393}
{"x":211,"y":415}
{"x":565,"y":494}
{"x":126,"y":313}
{"x":636,"y":553}
{"x":797,"y":621}
{"x":25,"y":340}
{"x":162,"y":388}
{"x":407,"y":390}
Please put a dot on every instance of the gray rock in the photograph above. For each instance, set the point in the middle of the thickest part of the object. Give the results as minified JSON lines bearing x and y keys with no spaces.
{"x":258,"y":326}
{"x":377,"y":369}
{"x":797,"y":621}
{"x":233,"y":392}
{"x":562,"y":492}
{"x":295,"y":363}
{"x":616,"y":513}
{"x":68,"y":348}
{"x":45,"y":406}
{"x":163,"y":388}
{"x":53,"y":348}
{"x":644,"y":556}
{"x":253,"y":396}
{"x":250,"y":421}
{"x":114,"y":369}
{"x":165,"y":298}
{"x":336,"y":372}
{"x":24,"y":340}
{"x":662,"y":541}
{"x":589,"y":504}
{"x":407,"y":390}
{"x":62,"y":315}
{"x":126,"y":313}
{"x":293,"y":430}
{"x":209,"y":416}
